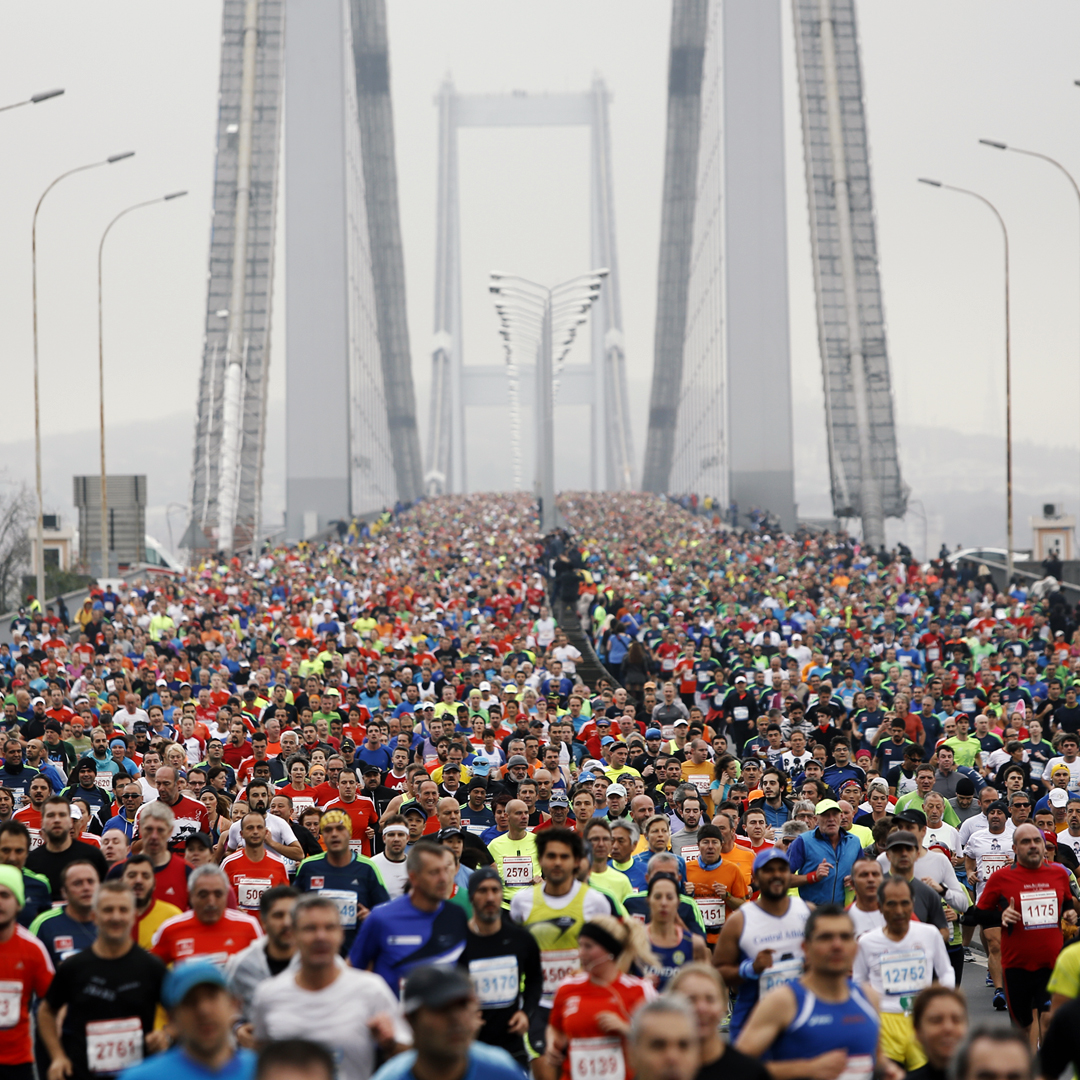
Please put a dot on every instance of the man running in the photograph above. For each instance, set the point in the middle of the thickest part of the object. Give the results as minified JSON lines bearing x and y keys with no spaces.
{"x":1038,"y":896}
{"x":760,"y":946}
{"x":822,"y":1024}
{"x":252,"y":869}
{"x":71,"y":928}
{"x":898,"y":960}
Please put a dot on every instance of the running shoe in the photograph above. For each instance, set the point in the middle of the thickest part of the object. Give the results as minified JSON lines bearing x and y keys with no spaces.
{"x":989,"y":981}
{"x":969,"y":957}
{"x":999,"y":1000}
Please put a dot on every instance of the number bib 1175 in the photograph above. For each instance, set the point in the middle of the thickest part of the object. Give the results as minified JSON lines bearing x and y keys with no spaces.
{"x":1039,"y":909}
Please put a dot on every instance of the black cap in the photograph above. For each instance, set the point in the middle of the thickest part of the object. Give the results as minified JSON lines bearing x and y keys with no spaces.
{"x":998,"y":804}
{"x":200,"y":839}
{"x":53,"y":725}
{"x":413,"y":808}
{"x":367,"y":770}
{"x":965,"y":786}
{"x":912,"y":816}
{"x":431,"y":987}
{"x":86,"y":763}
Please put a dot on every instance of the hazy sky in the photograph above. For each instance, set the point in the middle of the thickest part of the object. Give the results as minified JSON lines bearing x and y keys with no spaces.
{"x":937,"y":77}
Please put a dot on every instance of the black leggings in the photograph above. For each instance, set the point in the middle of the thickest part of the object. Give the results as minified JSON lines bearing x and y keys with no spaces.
{"x":956,"y":958}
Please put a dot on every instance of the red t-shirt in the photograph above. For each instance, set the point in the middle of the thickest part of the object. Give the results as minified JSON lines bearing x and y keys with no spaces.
{"x":25,"y":969}
{"x":301,"y":799}
{"x":233,"y":755}
{"x":1033,"y":943}
{"x":190,"y":816}
{"x":184,"y":937}
{"x":579,"y":1001}
{"x":363,"y":815}
{"x":251,"y":879}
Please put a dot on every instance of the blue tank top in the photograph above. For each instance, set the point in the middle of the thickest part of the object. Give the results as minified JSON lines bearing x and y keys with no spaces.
{"x":820,"y":1026}
{"x":671,"y":959}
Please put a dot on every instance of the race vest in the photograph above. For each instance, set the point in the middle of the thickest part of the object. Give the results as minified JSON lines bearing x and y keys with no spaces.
{"x":556,"y":932}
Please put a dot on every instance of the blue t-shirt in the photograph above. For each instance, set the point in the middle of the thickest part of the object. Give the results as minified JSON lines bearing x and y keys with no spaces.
{"x":398,"y":936}
{"x":489,"y":1062}
{"x":174,"y":1064}
{"x":62,"y":935}
{"x":359,"y":877}
{"x":379,"y":758}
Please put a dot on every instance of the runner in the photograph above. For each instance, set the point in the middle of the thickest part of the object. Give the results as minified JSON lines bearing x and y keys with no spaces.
{"x":150,"y":912}
{"x":898,"y":960}
{"x":109,"y":994}
{"x":940,"y":1019}
{"x":821,"y":1024}
{"x":362,"y":812}
{"x":865,"y":912}
{"x":591,"y":1012}
{"x":353,"y":1014}
{"x":209,"y":931}
{"x":156,"y":824}
{"x":673,"y":945}
{"x":252,"y":869}
{"x":663,"y":1042}
{"x":14,"y":850}
{"x":25,"y":971}
{"x":420,"y":927}
{"x":59,"y":848}
{"x":503,"y":961}
{"x":822,"y":859}
{"x":516,"y":853}
{"x":69,"y":929}
{"x":351,"y":881}
{"x":716,"y":884}
{"x":1032,"y":898}
{"x":390,"y":862}
{"x":441,"y":1008}
{"x":760,"y":946}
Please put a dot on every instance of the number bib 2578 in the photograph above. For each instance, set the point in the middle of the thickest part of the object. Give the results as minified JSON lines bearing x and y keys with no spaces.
{"x":517,"y":871}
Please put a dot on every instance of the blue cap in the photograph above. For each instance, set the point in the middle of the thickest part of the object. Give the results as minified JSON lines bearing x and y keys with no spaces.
{"x":766,"y":855}
{"x":607,"y":740}
{"x":654,"y":733}
{"x":183,"y":978}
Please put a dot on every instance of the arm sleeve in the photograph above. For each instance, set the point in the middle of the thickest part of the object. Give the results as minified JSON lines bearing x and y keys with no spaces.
{"x":956,"y":896}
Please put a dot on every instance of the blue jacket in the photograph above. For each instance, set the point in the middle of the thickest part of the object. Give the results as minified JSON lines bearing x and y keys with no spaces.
{"x":807,"y":851}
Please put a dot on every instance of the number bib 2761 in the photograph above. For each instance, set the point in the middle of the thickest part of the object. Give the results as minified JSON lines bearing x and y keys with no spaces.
{"x":112,"y":1045}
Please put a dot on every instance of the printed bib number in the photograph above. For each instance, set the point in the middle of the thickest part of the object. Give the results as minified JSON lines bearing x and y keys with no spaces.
{"x":346,"y":905}
{"x":690,"y":853}
{"x":557,"y":965}
{"x":904,"y":972}
{"x":517,"y":871}
{"x":668,"y":731}
{"x":712,"y":910}
{"x":250,"y":890}
{"x":103,"y":780}
{"x":994,"y":862}
{"x":701,"y":782}
{"x":10,"y":1002}
{"x":35,"y":839}
{"x":496,"y":980}
{"x":784,"y":971}
{"x":301,"y":803}
{"x":1039,"y":909}
{"x":740,"y":713}
{"x":112,"y":1045}
{"x":356,"y":847}
{"x":858,"y":1067}
{"x":597,"y":1059}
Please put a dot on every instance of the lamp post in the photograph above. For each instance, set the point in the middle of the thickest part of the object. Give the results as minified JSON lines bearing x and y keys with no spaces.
{"x":40,"y":560}
{"x":1035,"y":154}
{"x":545,"y":306}
{"x":101,"y":372}
{"x":33,"y":99}
{"x":1008,"y":370}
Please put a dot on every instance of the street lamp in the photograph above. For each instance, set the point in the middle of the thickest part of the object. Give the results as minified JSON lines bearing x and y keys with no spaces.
{"x":101,"y":372}
{"x":541,"y":308}
{"x":1008,"y":370}
{"x":1034,"y":153}
{"x":33,"y":99}
{"x":40,"y":560}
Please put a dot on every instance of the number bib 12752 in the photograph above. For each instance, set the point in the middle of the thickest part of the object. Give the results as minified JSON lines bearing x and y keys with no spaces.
{"x":112,"y":1045}
{"x":496,"y":980}
{"x":597,"y":1059}
{"x":904,"y":972}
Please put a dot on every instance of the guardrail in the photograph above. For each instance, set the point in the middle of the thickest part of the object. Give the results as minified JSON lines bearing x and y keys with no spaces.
{"x":999,"y":574}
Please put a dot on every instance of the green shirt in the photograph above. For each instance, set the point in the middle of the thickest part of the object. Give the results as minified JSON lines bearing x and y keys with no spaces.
{"x":965,"y":751}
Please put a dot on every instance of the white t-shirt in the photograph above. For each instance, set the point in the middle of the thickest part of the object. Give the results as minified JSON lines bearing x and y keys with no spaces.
{"x":394,"y":875}
{"x":569,"y":656}
{"x":944,"y":834}
{"x":1070,"y":841}
{"x":280,"y":832}
{"x":337,"y":1016}
{"x":898,"y":970}
{"x":865,"y":921}
{"x":149,"y":794}
{"x":1074,"y":771}
{"x":991,"y":852}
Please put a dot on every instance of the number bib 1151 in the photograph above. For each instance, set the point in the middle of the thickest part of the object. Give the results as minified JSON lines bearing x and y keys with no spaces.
{"x":597,"y":1059}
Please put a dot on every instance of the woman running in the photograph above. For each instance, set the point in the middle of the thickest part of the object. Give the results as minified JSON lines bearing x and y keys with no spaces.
{"x":673,"y":944}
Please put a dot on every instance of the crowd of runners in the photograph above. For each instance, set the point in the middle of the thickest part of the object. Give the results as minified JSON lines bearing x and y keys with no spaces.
{"x":354,"y":810}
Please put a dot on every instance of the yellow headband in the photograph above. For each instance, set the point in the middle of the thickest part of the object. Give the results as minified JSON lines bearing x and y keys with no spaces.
{"x":336,"y":817}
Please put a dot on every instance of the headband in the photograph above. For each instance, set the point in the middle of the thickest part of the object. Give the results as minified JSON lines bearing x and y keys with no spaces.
{"x":595,"y":932}
{"x":336,"y":817}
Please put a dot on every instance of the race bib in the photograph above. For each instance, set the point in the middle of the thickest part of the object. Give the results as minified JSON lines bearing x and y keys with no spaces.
{"x":597,"y":1059}
{"x":103,"y":780}
{"x":784,"y":971}
{"x":35,"y":838}
{"x":301,"y":803}
{"x":690,"y":853}
{"x":740,"y":713}
{"x":990,"y":863}
{"x":517,"y":871}
{"x":10,"y":1002}
{"x":250,"y":890}
{"x":113,"y":1045}
{"x":701,"y":782}
{"x":557,"y":965}
{"x":496,"y":981}
{"x":345,"y":900}
{"x":904,"y":972}
{"x":668,"y":731}
{"x":712,"y":910}
{"x":1039,"y":909}
{"x":858,"y":1067}
{"x":356,"y":847}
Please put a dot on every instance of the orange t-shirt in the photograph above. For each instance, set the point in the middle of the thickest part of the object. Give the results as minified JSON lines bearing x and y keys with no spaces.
{"x":713,"y":909}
